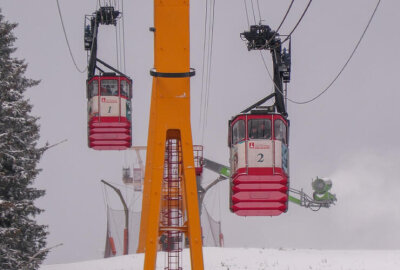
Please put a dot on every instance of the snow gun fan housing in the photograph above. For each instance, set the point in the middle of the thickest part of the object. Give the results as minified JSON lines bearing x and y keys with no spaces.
{"x":321,"y":189}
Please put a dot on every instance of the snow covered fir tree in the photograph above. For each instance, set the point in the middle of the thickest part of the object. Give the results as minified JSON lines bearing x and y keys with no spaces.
{"x":22,"y":240}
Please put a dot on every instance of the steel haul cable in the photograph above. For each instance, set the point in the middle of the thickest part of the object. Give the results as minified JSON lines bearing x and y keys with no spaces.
{"x":298,"y":22}
{"x":123,"y":34}
{"x":66,"y":39}
{"x":208,"y":85}
{"x":282,"y":21}
{"x":247,"y":14}
{"x":117,"y":47}
{"x":284,"y":17}
{"x":339,"y":73}
{"x":254,"y":14}
{"x":346,"y":63}
{"x":207,"y":66}
{"x":203,"y":63}
{"x":259,"y":12}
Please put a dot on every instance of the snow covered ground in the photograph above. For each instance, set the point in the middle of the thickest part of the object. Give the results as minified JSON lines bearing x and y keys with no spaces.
{"x":254,"y":258}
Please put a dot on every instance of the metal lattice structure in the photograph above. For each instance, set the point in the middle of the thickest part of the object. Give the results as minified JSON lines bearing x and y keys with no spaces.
{"x":171,"y":211}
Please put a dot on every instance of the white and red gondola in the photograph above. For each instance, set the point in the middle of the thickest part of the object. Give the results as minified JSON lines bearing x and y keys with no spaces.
{"x":259,"y":163}
{"x":258,"y":139}
{"x":109,"y":93}
{"x":109,"y":112}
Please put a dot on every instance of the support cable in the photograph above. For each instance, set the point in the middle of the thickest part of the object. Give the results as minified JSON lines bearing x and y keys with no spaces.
{"x":298,"y":22}
{"x":117,"y":46}
{"x":207,"y":65}
{"x":247,"y":14}
{"x":259,"y":12}
{"x":284,"y":18}
{"x":269,"y":73}
{"x":203,"y":64}
{"x":254,"y":14}
{"x":209,"y":217}
{"x":208,"y":78}
{"x":114,"y":222}
{"x":207,"y":73}
{"x":280,"y":25}
{"x":340,"y":71}
{"x":66,"y":39}
{"x":122,"y":185}
{"x":104,"y":197}
{"x":121,"y":55}
{"x":219,"y":199}
{"x":345,"y":64}
{"x":123,"y":35}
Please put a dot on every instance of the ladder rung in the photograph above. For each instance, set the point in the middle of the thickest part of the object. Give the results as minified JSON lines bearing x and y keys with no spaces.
{"x":173,"y":228}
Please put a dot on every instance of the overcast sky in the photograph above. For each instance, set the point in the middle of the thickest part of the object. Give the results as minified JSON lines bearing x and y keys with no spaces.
{"x":350,"y":134}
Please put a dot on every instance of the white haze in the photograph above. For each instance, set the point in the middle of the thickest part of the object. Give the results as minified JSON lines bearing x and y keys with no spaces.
{"x":350,"y":134}
{"x":367,"y":214}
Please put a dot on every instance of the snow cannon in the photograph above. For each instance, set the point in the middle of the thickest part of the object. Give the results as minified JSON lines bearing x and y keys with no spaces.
{"x":321,"y":187}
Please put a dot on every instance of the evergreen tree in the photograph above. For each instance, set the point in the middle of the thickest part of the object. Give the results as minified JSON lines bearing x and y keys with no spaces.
{"x":22,"y":240}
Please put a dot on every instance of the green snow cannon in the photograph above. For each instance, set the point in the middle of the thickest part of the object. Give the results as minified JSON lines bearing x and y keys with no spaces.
{"x":321,"y":189}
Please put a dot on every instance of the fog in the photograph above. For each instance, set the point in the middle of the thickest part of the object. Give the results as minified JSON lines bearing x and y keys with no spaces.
{"x":350,"y":134}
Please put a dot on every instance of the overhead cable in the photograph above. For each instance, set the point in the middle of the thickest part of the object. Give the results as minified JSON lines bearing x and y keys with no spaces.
{"x":298,"y":22}
{"x":259,"y":11}
{"x":203,"y":63}
{"x":280,"y":25}
{"x":121,"y":53}
{"x":117,"y":46}
{"x":207,"y":65}
{"x":284,"y":17}
{"x":247,"y":14}
{"x":123,"y":35}
{"x":346,"y":63}
{"x":254,"y":14}
{"x":208,"y":77}
{"x":340,"y":72}
{"x":269,"y":74}
{"x":66,"y":39}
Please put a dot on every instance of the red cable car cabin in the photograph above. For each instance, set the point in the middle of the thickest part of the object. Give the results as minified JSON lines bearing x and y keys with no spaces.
{"x":198,"y":159}
{"x":259,"y":164}
{"x":109,"y":112}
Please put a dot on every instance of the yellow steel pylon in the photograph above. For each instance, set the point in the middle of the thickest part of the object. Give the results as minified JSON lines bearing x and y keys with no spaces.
{"x":170,"y":119}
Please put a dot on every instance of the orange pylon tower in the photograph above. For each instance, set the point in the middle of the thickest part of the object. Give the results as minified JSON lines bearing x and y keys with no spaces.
{"x":170,"y":205}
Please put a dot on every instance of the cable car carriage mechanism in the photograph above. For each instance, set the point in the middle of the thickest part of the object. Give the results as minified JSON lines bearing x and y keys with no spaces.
{"x":109,"y":93}
{"x":258,"y":139}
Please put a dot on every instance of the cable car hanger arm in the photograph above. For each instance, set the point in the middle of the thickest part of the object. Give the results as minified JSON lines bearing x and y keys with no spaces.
{"x":101,"y":71}
{"x":261,"y":37}
{"x":110,"y":67}
{"x":106,"y":15}
{"x":258,"y":103}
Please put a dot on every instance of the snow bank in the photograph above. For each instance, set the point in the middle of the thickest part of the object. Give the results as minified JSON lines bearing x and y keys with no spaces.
{"x":252,"y":258}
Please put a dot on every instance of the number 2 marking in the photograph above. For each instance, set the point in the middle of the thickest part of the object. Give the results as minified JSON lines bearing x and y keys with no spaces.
{"x":261,"y":157}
